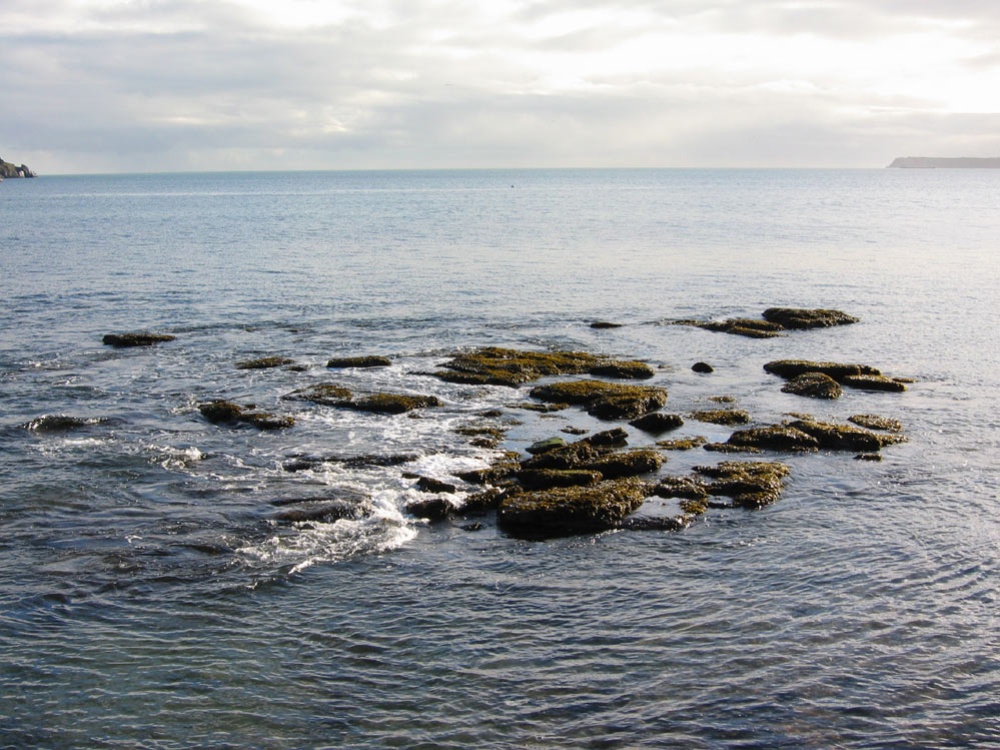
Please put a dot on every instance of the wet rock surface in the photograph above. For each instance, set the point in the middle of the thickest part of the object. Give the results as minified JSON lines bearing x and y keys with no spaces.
{"x":776,"y":322}
{"x":602,"y":399}
{"x":130,"y":340}
{"x":361,"y":361}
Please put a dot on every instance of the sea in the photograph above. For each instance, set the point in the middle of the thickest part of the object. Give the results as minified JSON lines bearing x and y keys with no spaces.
{"x":152,"y":594}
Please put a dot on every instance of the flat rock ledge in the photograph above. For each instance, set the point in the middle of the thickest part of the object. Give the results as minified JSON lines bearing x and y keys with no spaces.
{"x":571,"y":510}
{"x":513,"y":367}
{"x":776,"y":321}
{"x":229,"y":413}
{"x":602,"y":399}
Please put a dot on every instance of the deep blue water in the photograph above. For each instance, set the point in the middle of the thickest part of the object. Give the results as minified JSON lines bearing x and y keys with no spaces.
{"x":148,"y":598}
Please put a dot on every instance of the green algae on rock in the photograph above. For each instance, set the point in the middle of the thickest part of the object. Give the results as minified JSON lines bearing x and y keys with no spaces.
{"x":264,"y":363}
{"x":514,"y":367}
{"x":875,"y":383}
{"x":128,"y":340}
{"x":811,"y":435}
{"x":602,"y":399}
{"x":774,"y":437}
{"x":682,"y":444}
{"x":875,"y":422}
{"x":791,"y":368}
{"x":570,"y":510}
{"x":326,"y":394}
{"x":750,"y":484}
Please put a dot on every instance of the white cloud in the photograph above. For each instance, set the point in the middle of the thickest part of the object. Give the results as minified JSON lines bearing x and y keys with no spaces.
{"x":188,"y":84}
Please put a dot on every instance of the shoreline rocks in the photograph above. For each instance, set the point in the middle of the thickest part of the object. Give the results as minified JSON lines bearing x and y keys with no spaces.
{"x":776,"y":322}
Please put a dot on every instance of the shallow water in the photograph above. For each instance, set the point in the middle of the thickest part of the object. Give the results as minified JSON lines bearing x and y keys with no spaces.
{"x":150,"y":600}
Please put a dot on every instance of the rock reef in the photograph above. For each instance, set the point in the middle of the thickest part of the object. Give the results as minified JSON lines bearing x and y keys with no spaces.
{"x":14,"y":171}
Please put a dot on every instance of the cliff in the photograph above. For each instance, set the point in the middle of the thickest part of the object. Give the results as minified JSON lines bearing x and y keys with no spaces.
{"x":955,"y":162}
{"x":12,"y":170}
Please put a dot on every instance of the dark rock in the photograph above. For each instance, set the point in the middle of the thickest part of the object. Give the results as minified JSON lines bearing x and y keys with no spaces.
{"x":544,"y":446}
{"x":874,"y":383}
{"x":731,"y":448}
{"x":657,"y":423}
{"x":483,"y":502}
{"x":432,"y":509}
{"x":61,"y":423}
{"x":264,"y":363}
{"x":571,"y":456}
{"x":391,"y":403}
{"x":813,"y":385}
{"x":226,"y":412}
{"x":799,"y":319}
{"x":9,"y":170}
{"x":127,"y":340}
{"x":748,"y":327}
{"x":513,"y":367}
{"x":845,"y":437}
{"x":429,"y":484}
{"x":570,"y":510}
{"x":725,"y":417}
{"x":500,"y":472}
{"x":540,"y":479}
{"x":607,"y":438}
{"x":604,"y":400}
{"x":868,"y":457}
{"x":326,"y":394}
{"x":221,"y":412}
{"x":631,"y":463}
{"x":600,"y":324}
{"x":684,"y":487}
{"x":703,"y":367}
{"x":326,"y":511}
{"x":364,"y":361}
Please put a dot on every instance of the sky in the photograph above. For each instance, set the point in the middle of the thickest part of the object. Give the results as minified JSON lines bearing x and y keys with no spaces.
{"x":94,"y":86}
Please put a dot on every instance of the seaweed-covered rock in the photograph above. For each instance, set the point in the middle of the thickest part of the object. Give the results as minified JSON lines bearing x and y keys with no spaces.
{"x":875,"y":422}
{"x":813,"y":385}
{"x":726,"y":417}
{"x":844,"y":437}
{"x":622,"y":369}
{"x":540,"y":479}
{"x":327,"y":394}
{"x":656,"y":423}
{"x":750,"y":484}
{"x":682,"y":444}
{"x":683,"y":487}
{"x":570,"y":456}
{"x":544,"y":446}
{"x":264,"y":363}
{"x":748,"y":327}
{"x":627,"y":464}
{"x":874,"y":383}
{"x":391,"y":403}
{"x":127,"y":340}
{"x":513,"y":367}
{"x":437,"y":486}
{"x":604,"y":400}
{"x":362,"y":361}
{"x":570,"y":510}
{"x":798,"y":319}
{"x":774,"y":437}
{"x":791,"y":368}
{"x":485,"y":501}
{"x":226,"y":412}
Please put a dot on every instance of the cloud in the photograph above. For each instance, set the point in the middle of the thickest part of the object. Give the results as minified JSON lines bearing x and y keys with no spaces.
{"x":107,"y":85}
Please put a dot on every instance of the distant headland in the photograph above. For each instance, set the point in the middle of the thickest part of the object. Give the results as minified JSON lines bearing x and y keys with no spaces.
{"x":952,"y":162}
{"x":12,"y":170}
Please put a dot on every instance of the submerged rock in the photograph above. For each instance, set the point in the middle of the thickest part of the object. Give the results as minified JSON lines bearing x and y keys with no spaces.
{"x":264,"y":363}
{"x":798,"y":319}
{"x":602,"y":399}
{"x":391,"y":403}
{"x":61,"y":423}
{"x":774,"y":437}
{"x":875,"y":422}
{"x":682,"y":444}
{"x":570,"y":510}
{"x":127,"y":340}
{"x":541,"y":479}
{"x":323,"y":510}
{"x":792,"y":368}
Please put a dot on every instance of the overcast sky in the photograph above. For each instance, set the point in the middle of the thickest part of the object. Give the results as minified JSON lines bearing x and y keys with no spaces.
{"x":178,"y":85}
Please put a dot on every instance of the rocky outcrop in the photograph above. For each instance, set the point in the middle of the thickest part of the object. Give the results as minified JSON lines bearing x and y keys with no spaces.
{"x":14,"y":171}
{"x":362,"y":361}
{"x":602,"y":399}
{"x":512,"y":367}
{"x":571,"y":510}
{"x":229,"y":413}
{"x":777,"y":320}
{"x":128,"y":340}
{"x":814,"y":385}
{"x":863,"y":377}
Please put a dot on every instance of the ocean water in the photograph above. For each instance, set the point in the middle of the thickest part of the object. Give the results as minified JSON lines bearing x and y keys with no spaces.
{"x":150,"y":598}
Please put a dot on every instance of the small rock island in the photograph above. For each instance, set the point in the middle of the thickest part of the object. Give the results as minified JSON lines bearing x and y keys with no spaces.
{"x":950,"y":162}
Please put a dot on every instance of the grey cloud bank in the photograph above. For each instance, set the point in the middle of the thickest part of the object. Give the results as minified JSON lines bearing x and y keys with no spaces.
{"x":109,"y":86}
